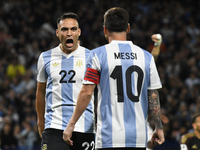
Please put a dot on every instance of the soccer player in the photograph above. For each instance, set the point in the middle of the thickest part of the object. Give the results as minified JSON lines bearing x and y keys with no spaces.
{"x":59,"y":80}
{"x":127,"y":80}
{"x":191,"y":141}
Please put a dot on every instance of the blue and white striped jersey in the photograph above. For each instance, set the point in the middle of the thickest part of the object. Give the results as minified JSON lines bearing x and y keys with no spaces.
{"x":126,"y":72}
{"x":64,"y":75}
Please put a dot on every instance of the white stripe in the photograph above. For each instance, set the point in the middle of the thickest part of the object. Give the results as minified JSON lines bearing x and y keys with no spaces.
{"x":56,"y":95}
{"x":140,"y":125}
{"x":99,"y":122}
{"x":79,"y":67}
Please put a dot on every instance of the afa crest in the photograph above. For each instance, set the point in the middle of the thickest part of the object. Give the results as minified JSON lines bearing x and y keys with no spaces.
{"x":44,"y":147}
{"x":79,"y":63}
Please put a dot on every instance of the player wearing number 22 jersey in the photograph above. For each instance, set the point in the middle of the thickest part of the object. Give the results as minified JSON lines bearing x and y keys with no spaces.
{"x":124,"y":72}
{"x":65,"y":74}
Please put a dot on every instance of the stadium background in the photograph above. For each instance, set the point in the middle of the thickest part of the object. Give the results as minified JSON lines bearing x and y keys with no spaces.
{"x":28,"y":27}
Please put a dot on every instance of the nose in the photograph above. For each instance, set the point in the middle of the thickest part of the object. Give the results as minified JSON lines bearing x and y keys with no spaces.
{"x":69,"y":32}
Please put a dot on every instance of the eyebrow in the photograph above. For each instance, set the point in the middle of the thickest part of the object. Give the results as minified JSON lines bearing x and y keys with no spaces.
{"x":74,"y":28}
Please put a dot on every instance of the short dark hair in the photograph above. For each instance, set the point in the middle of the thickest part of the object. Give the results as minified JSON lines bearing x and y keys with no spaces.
{"x":68,"y":15}
{"x":194,"y":118}
{"x":116,"y":19}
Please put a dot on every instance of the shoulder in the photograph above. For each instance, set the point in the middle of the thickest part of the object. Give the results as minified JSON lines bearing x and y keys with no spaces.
{"x":187,"y":136}
{"x":82,"y":49}
{"x":99,"y":48}
{"x":48,"y":52}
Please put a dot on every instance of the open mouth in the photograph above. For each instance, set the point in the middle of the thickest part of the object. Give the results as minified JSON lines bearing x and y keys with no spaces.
{"x":69,"y":42}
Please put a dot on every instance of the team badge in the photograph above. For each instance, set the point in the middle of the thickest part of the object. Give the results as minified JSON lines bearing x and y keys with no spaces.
{"x":44,"y":147}
{"x":79,"y":63}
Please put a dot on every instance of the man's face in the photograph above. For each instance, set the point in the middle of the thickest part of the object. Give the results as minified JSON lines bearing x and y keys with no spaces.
{"x":197,"y":124}
{"x":68,"y":33}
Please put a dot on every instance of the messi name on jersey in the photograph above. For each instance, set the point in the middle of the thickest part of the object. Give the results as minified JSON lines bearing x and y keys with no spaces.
{"x":122,"y":55}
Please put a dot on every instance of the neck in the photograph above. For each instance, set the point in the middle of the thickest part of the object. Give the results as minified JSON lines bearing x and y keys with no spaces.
{"x":120,"y":36}
{"x":197,"y":134}
{"x":67,"y":51}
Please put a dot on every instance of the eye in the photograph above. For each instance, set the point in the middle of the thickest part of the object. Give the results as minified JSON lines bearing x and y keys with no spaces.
{"x":64,"y":29}
{"x":74,"y":29}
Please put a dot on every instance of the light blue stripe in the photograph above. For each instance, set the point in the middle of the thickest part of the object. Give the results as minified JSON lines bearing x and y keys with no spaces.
{"x":47,"y":62}
{"x":67,"y":90}
{"x":129,"y":112}
{"x":105,"y":107}
{"x":144,"y":95}
{"x":88,"y":115}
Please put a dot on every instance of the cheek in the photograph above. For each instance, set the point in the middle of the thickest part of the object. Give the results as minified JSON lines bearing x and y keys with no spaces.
{"x":62,"y":37}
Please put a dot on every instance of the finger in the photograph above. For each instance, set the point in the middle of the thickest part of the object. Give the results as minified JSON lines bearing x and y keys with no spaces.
{"x":152,"y":141}
{"x":67,"y":139}
{"x":158,"y":141}
{"x":69,"y":142}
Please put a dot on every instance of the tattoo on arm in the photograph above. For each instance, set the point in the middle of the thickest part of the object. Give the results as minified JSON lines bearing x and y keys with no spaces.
{"x":154,"y":108}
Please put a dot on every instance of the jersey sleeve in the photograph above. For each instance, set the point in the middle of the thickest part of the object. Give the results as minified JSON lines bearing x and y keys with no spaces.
{"x":92,"y":70}
{"x":40,"y":70}
{"x":183,"y":142}
{"x":155,"y":82}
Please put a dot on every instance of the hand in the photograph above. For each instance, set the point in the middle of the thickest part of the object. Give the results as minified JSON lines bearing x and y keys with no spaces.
{"x":67,"y":133}
{"x":157,"y":38}
{"x":158,"y":137}
{"x":164,"y":119}
{"x":40,"y":129}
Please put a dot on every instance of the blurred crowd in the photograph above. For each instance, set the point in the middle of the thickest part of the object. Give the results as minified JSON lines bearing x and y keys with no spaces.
{"x":27,"y":28}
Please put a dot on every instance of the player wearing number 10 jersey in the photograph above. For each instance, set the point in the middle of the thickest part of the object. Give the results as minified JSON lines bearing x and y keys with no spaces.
{"x":127,"y":80}
{"x":123,"y":84}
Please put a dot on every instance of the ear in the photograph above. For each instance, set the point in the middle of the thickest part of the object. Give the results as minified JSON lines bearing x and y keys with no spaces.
{"x":57,"y":32}
{"x":128,"y":28}
{"x":194,"y":126}
{"x":79,"y":31}
{"x":105,"y":30}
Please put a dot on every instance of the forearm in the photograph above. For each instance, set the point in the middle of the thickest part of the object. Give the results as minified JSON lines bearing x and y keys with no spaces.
{"x":154,"y":108}
{"x":155,"y":52}
{"x":40,"y":109}
{"x":82,"y":103}
{"x":40,"y":103}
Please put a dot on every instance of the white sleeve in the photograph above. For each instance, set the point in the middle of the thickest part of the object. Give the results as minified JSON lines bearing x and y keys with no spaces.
{"x":95,"y":63}
{"x":41,"y":71}
{"x":155,"y":82}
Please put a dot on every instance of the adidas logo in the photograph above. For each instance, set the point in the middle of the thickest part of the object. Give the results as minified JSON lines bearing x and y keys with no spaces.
{"x":194,"y":146}
{"x":55,"y":64}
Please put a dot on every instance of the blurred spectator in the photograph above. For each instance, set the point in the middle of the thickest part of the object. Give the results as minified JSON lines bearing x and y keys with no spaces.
{"x":191,"y":140}
{"x":8,"y":141}
{"x":14,"y":69}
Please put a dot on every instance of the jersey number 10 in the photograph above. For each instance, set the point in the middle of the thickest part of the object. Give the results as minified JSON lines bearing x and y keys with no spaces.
{"x":117,"y":74}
